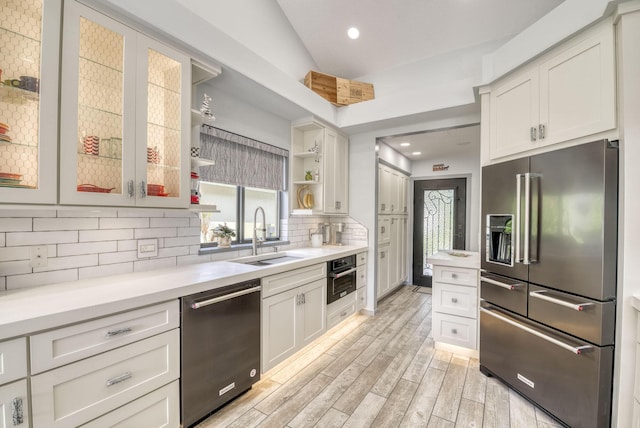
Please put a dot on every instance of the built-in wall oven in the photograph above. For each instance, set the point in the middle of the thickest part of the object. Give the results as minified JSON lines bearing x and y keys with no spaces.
{"x":341,"y":278}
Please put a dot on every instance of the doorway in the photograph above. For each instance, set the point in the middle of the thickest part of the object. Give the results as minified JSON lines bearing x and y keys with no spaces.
{"x":439,"y":211}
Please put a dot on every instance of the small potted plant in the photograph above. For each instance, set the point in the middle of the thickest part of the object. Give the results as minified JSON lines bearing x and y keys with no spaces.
{"x":224,"y":234}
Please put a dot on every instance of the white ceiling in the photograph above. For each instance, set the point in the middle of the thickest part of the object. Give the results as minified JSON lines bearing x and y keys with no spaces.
{"x":394,"y":33}
{"x":399,"y":32}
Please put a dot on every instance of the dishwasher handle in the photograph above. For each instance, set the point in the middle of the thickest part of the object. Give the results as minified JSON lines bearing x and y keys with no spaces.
{"x":198,"y":305}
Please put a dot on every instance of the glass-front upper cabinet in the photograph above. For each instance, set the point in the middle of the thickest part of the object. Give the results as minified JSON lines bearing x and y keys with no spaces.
{"x":29,"y":36}
{"x":125,"y":112}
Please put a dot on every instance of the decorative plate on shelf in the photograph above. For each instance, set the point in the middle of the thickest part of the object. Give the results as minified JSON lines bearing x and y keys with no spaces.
{"x":11,"y":176}
{"x":93,"y":188}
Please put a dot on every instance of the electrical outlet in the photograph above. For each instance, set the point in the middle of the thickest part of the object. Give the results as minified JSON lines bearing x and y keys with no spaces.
{"x":147,"y":248}
{"x":39,"y":256}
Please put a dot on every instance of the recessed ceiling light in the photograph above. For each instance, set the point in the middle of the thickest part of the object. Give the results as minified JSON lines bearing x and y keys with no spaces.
{"x":353,"y":33}
{"x":416,"y":153}
{"x":405,"y":144}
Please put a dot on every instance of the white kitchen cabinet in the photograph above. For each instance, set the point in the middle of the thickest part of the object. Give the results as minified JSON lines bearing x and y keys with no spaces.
{"x":455,"y":303}
{"x":392,"y":190}
{"x":566,"y":94}
{"x":404,"y":241}
{"x":341,"y":309}
{"x":324,"y":153}
{"x":13,"y":360}
{"x":384,"y":229}
{"x":361,"y":280}
{"x":29,"y":146}
{"x":14,"y":405}
{"x":394,"y":252}
{"x":125,"y":115}
{"x":293,"y":312}
{"x":382,"y":286}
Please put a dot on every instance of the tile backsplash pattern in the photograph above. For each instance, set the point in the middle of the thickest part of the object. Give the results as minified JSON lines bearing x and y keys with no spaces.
{"x":89,"y":243}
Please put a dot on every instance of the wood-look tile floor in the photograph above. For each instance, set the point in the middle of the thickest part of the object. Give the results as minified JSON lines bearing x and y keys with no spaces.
{"x":380,"y":371}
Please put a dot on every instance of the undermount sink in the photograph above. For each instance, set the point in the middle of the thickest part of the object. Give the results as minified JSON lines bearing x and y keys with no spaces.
{"x":266,"y":259}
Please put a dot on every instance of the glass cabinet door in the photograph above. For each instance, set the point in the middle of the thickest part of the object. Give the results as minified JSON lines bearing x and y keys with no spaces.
{"x":164,"y":77}
{"x":29,"y":36}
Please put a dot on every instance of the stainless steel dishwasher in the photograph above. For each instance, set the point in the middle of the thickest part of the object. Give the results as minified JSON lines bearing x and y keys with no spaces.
{"x":220,"y":347}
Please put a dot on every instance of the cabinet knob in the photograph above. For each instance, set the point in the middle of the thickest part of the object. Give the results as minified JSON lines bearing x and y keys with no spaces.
{"x":454,"y":300}
{"x":454,"y":275}
{"x":454,"y":330}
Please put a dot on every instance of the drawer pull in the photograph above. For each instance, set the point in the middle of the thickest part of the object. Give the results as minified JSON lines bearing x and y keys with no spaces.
{"x":118,"y":379}
{"x":540,"y":294}
{"x":343,"y":314}
{"x":454,"y":275}
{"x":573,"y":349}
{"x":500,"y":284}
{"x":454,"y":330}
{"x":454,"y":299}
{"x":17,"y":411}
{"x":117,"y":332}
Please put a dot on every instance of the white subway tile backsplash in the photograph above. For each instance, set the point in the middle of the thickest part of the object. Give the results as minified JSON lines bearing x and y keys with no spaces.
{"x":15,"y":239}
{"x":180,"y":213}
{"x":105,"y":235}
{"x":123,"y":223}
{"x":99,"y":213}
{"x":15,"y":267}
{"x":137,"y":212}
{"x":194,"y":221}
{"x":14,"y":253}
{"x":105,"y":270}
{"x":170,"y":222}
{"x":3,"y":283}
{"x":183,"y":240}
{"x":173,"y":251}
{"x":189,"y":231}
{"x":192,"y":259}
{"x":27,"y":213}
{"x":16,"y":224}
{"x":2,"y":239}
{"x":42,"y":224}
{"x":153,"y":264}
{"x":119,"y":257}
{"x":87,"y":248}
{"x":158,"y":232}
{"x":42,"y":278}
{"x":128,"y":245}
{"x":70,"y":262}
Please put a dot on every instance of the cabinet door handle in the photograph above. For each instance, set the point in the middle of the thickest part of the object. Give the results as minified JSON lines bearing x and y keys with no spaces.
{"x":541,"y":133}
{"x":130,"y":190}
{"x":338,"y":205}
{"x":17,"y":411}
{"x":534,"y":133}
{"x":117,"y":332}
{"x":383,"y":229}
{"x":383,"y":207}
{"x":454,"y":331}
{"x":143,"y":189}
{"x":382,"y":255}
{"x":298,"y":300}
{"x":118,"y":379}
{"x":454,"y":275}
{"x":304,"y":298}
{"x":454,"y":300}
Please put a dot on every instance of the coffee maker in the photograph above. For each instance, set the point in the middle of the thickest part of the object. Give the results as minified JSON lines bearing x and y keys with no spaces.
{"x":336,"y":233}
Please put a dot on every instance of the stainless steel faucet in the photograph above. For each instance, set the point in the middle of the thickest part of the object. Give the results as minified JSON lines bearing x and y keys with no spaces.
{"x":255,"y":239}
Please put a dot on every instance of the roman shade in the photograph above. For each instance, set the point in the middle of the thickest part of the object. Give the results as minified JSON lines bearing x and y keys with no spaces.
{"x":241,"y":161}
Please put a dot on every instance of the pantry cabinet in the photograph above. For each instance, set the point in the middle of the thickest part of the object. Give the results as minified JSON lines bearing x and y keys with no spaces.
{"x":125,"y":115}
{"x":566,"y":94}
{"x":29,"y":63}
{"x":319,"y":169}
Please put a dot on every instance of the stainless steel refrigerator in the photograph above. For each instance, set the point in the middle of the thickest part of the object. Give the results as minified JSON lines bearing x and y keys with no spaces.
{"x":548,"y":281}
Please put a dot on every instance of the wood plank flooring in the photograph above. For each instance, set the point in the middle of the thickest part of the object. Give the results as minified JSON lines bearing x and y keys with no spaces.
{"x":380,"y":371}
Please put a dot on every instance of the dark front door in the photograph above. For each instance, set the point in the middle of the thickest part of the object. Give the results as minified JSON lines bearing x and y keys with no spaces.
{"x":440,"y":222}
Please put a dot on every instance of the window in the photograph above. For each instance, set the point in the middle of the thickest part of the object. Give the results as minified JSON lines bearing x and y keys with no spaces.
{"x":237,"y":206}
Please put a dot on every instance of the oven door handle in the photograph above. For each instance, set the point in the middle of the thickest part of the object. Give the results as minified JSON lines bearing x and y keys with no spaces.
{"x":540,"y":294}
{"x":341,"y":274}
{"x":573,"y":349}
{"x":509,"y":287}
{"x":198,"y":305}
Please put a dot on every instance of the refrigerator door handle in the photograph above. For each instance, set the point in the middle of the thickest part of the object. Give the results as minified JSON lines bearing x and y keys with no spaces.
{"x":573,"y":349}
{"x":500,"y":284}
{"x":541,"y":294}
{"x":516,"y":229}
{"x":527,"y":219}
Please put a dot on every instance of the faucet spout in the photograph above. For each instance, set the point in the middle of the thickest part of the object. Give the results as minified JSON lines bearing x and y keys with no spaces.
{"x":254,"y":241}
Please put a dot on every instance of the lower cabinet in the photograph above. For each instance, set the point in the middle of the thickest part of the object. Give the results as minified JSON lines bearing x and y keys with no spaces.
{"x":383,"y":284}
{"x":341,"y":309}
{"x":14,"y":405}
{"x":293,"y":318}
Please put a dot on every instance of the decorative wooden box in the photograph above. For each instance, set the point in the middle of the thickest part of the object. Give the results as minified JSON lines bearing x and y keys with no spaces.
{"x":338,"y":91}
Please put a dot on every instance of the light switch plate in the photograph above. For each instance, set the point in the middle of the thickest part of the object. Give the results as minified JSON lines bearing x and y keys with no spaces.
{"x":38,"y":256}
{"x":147,"y":248}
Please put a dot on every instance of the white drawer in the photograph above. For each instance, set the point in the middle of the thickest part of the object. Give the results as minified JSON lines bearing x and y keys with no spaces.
{"x":13,"y":360}
{"x":361,"y":258}
{"x":68,"y":344}
{"x":361,"y":276}
{"x":77,"y":393}
{"x":455,"y":300}
{"x":455,"y":330}
{"x":361,"y":298}
{"x":14,"y":405}
{"x":340,"y":310}
{"x":281,"y":282}
{"x":160,"y":408}
{"x":459,"y":276}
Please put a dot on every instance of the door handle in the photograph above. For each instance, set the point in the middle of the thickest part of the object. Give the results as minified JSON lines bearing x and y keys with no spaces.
{"x":533,"y":133}
{"x":130,"y":190}
{"x":541,"y":132}
{"x":573,"y":349}
{"x":541,"y":294}
{"x":527,"y":219}
{"x":509,"y":287}
{"x":198,"y":305}
{"x":143,"y":189}
{"x":341,"y":274}
{"x":17,"y":411}
{"x":516,"y":228}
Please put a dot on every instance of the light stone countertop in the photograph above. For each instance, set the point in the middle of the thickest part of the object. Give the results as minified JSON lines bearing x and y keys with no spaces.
{"x":456,"y":258}
{"x":34,"y":309}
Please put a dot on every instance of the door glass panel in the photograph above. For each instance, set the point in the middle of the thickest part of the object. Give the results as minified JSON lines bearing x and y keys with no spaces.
{"x":163,"y":125}
{"x":438,"y":224}
{"x":100,"y":106}
{"x":20,"y":38}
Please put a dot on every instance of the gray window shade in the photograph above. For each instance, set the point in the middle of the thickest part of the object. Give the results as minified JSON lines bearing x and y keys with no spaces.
{"x":241,"y":161}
